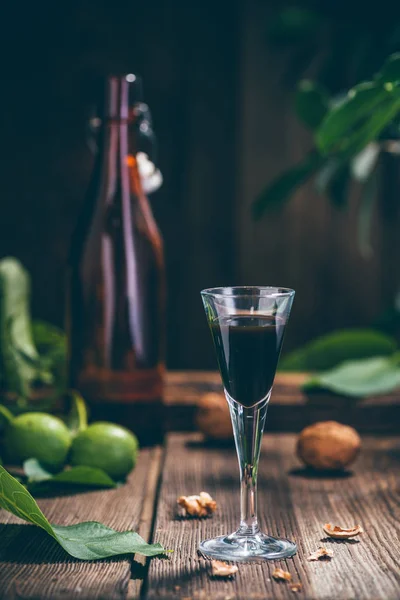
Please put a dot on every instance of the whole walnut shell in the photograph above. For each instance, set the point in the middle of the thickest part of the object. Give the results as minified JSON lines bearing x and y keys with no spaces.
{"x":213,"y":417}
{"x":328,"y":445}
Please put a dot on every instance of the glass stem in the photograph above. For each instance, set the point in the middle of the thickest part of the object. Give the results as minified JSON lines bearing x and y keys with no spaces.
{"x":248,"y":427}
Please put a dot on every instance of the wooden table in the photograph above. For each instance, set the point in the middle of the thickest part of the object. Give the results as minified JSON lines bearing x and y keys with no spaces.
{"x":291,"y":504}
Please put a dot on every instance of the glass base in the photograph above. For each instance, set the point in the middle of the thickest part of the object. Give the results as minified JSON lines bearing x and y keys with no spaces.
{"x":245,"y":548}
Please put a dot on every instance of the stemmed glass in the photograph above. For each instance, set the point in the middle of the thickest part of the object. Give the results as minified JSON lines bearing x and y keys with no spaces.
{"x":247,"y":326}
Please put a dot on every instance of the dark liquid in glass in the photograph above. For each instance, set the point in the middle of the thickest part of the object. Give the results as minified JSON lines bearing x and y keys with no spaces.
{"x":248,"y":349}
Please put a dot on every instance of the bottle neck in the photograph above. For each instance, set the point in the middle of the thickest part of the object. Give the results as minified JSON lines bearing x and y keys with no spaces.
{"x":113,"y":151}
{"x":116,"y":100}
{"x":115,"y":159}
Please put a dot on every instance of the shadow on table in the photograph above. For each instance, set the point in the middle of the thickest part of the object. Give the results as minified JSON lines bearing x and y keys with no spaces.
{"x":211,"y":445}
{"x":174,"y":581}
{"x":51,"y":489}
{"x":309,"y":473}
{"x":138,"y":570}
{"x":27,"y":544}
{"x":350,"y":541}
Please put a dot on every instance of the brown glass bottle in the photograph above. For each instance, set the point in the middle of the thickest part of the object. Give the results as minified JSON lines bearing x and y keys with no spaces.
{"x":116,"y":292}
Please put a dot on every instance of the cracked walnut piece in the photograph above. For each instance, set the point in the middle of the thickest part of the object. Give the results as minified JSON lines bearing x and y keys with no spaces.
{"x":321,"y":554}
{"x":222,"y":569}
{"x":281,"y":575}
{"x":198,"y":506}
{"x":341,"y":533}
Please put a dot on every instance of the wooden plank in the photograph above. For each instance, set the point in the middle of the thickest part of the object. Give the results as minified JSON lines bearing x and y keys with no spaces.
{"x":145,"y":526}
{"x":291,"y":409}
{"x":291,"y":504}
{"x":307,"y":244}
{"x":34,"y":566}
{"x":205,"y":163}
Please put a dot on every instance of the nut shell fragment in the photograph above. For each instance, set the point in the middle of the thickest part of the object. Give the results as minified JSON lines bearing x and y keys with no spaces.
{"x":296,"y":587}
{"x":222,"y":569}
{"x":328,"y":445}
{"x":198,"y":506}
{"x":342,"y":533}
{"x":321,"y":554}
{"x":281,"y":575}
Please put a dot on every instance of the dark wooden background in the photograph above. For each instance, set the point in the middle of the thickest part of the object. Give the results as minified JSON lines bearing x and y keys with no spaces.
{"x":222,"y":114}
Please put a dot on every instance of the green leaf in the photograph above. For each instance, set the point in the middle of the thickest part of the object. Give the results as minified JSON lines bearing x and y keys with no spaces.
{"x":85,"y":541}
{"x":81,"y":475}
{"x":390,"y":72}
{"x":283,"y":186}
{"x":35,"y":472}
{"x":311,"y":103}
{"x":48,"y":337}
{"x":359,"y":378}
{"x":41,"y":371}
{"x":371,"y":128}
{"x":16,"y":344}
{"x":363,"y":164}
{"x":94,"y":541}
{"x":77,"y":419}
{"x":326,"y":174}
{"x":6,"y":416}
{"x":51,"y":343}
{"x":337,"y":189}
{"x":334,"y":348}
{"x":333,"y":180}
{"x":365,"y":212}
{"x":341,"y":120}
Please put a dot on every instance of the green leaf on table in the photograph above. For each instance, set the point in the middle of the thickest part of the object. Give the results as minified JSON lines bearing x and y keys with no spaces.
{"x":35,"y":472}
{"x":94,"y":541}
{"x":342,"y":120}
{"x":77,"y":419}
{"x":311,"y":103}
{"x":285,"y":184}
{"x":359,"y":378}
{"x":332,"y":349}
{"x":390,"y":72}
{"x":80,"y":475}
{"x":85,"y":541}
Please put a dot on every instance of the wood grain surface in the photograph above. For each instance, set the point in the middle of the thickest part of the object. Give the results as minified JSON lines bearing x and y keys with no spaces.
{"x":292,"y":504}
{"x":291,"y":409}
{"x":32,"y":565}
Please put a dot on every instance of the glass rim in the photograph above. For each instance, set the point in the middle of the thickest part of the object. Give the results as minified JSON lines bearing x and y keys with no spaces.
{"x":266,"y":291}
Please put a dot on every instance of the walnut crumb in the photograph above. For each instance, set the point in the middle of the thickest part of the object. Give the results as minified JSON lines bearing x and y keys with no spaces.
{"x":321,"y":554}
{"x":198,"y":506}
{"x":222,"y":569}
{"x":296,"y":587}
{"x":342,"y":533}
{"x":281,"y":575}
